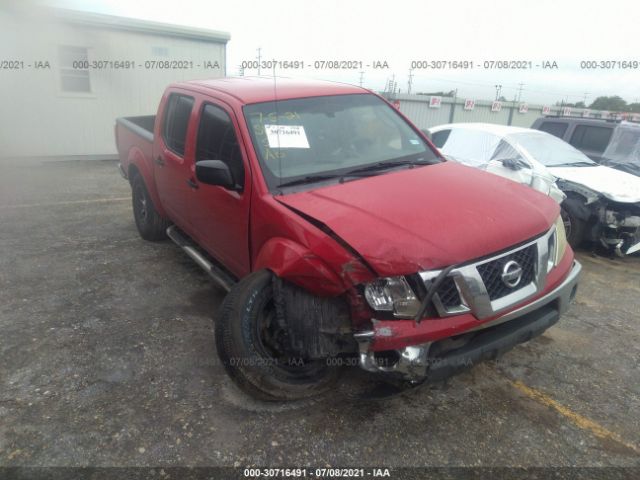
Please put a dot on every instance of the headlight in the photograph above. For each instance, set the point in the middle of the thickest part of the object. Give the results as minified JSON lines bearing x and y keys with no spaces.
{"x":392,"y":294}
{"x":557,"y":244}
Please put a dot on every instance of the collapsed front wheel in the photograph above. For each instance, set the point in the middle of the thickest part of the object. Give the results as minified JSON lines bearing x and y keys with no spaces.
{"x":254,"y":349}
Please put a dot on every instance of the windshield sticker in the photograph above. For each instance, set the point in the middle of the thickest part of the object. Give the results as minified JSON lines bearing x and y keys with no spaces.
{"x":413,"y":141}
{"x":286,"y":136}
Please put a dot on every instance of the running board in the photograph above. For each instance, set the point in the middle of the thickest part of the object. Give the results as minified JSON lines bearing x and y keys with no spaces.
{"x":221,"y":277}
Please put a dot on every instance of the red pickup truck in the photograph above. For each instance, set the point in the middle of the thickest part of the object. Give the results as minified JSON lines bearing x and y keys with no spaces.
{"x":341,"y":234}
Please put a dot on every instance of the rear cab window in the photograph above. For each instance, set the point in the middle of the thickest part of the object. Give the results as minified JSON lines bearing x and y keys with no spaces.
{"x":176,"y":122}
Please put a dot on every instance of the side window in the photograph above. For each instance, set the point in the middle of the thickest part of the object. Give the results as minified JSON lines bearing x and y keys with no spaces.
{"x":217,"y":141}
{"x":557,"y":129}
{"x":591,"y":138}
{"x":440,"y":138}
{"x":176,"y":121}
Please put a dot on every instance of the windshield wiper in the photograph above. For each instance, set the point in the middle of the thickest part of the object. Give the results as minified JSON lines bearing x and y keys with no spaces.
{"x":574,"y":164}
{"x":376,"y":167}
{"x":357,"y":172}
{"x":307,"y":179}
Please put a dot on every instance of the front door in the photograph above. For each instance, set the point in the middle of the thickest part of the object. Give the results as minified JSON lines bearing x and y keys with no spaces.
{"x":220,"y":216}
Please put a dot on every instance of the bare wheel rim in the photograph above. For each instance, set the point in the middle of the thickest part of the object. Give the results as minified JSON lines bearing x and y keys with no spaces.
{"x":141,"y":203}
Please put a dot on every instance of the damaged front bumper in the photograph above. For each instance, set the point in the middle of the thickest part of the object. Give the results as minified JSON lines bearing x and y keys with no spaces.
{"x":442,"y":357}
{"x":620,"y":231}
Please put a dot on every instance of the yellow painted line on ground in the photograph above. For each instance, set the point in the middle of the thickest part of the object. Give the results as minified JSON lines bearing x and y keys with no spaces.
{"x":582,"y":422}
{"x":71,"y":202}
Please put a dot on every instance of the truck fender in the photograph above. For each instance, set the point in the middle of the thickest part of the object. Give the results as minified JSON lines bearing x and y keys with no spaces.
{"x":140,"y":164}
{"x":297,"y":264}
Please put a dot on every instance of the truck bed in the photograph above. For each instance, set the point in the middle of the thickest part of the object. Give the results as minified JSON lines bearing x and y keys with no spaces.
{"x":134,"y":136}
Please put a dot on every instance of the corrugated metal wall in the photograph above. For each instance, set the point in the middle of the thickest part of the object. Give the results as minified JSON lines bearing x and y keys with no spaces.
{"x":416,"y":107}
{"x":37,"y":118}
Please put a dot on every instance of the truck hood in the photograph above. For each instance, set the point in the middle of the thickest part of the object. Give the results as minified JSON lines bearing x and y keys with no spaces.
{"x":428,"y":217}
{"x":613,"y":184}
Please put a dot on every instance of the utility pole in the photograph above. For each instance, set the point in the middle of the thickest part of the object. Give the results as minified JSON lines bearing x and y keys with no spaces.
{"x":498,"y":90}
{"x":410,"y":83}
{"x":259,"y":59}
{"x":361,"y":78}
{"x":520,"y":85}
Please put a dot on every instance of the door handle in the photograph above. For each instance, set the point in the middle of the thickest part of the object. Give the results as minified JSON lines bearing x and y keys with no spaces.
{"x":159,"y":161}
{"x":192,"y":183}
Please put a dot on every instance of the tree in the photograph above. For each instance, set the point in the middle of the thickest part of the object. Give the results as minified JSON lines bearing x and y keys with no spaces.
{"x":634,"y":107}
{"x":614,"y":103}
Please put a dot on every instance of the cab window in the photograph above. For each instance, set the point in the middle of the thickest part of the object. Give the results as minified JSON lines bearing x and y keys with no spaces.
{"x":217,"y":141}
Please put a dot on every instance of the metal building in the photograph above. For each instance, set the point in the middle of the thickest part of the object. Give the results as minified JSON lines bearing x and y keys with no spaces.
{"x":66,"y":75}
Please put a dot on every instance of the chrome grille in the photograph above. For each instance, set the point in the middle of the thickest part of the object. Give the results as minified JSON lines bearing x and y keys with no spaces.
{"x":478,"y":287}
{"x":448,"y":294}
{"x":491,"y":272}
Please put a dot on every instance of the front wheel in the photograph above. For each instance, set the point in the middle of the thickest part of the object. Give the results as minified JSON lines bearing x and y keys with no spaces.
{"x":253,"y":346}
{"x":574,"y":227}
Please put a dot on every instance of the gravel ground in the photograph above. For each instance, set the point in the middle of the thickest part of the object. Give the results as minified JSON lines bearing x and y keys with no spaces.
{"x":108,"y":359}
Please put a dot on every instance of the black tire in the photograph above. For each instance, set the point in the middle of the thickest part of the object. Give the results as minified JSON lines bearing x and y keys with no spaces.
{"x":151,"y":225}
{"x":574,"y":227}
{"x":245,"y":320}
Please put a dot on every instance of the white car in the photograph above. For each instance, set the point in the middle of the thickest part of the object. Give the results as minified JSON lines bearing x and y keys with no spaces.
{"x":602,"y":204}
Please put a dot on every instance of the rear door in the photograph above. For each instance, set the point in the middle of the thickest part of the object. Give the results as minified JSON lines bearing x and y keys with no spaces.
{"x":171,"y":170}
{"x":220,"y":216}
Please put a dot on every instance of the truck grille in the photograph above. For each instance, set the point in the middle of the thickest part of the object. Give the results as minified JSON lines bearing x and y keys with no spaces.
{"x":448,"y":294}
{"x":481,"y":287}
{"x":491,"y":272}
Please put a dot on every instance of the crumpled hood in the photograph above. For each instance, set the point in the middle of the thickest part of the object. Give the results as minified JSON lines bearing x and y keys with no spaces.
{"x":428,"y":217}
{"x":614,"y":184}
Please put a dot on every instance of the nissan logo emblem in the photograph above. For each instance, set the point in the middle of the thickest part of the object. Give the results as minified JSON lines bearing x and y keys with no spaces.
{"x":511,"y":274}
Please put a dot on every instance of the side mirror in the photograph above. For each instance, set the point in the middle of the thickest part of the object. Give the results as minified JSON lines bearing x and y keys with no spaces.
{"x":514,"y":163}
{"x":214,"y":172}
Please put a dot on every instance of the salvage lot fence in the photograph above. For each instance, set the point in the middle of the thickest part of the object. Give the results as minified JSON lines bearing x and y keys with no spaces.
{"x":428,"y":111}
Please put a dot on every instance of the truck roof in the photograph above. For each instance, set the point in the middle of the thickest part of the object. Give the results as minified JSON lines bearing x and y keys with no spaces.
{"x":266,"y":89}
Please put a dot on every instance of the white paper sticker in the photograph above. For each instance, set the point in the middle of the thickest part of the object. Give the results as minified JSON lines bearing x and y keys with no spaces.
{"x":413,"y":141}
{"x":286,"y":136}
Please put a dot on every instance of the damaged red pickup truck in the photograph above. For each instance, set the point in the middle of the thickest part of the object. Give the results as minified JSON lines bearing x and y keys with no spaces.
{"x":341,"y":233}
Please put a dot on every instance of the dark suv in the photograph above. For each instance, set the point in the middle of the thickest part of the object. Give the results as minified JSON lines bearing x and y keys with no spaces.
{"x":612,"y":143}
{"x":589,"y":135}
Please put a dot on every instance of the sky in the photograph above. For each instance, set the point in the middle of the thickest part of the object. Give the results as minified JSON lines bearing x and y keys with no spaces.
{"x":403,"y":31}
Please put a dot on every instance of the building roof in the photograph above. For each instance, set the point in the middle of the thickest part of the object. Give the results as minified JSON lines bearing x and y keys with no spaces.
{"x":137,"y":25}
{"x":264,"y":89}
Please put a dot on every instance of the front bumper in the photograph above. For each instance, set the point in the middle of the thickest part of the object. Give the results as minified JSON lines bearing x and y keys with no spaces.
{"x":440,"y":358}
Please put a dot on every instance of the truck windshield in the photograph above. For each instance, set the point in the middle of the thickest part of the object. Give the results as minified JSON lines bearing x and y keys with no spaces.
{"x":319,"y":138}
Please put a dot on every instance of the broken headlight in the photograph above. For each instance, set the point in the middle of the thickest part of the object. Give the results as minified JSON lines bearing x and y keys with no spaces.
{"x":557,"y":244}
{"x":392,"y":294}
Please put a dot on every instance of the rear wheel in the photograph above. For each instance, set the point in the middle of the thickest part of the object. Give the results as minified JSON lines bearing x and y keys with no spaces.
{"x":151,"y":225}
{"x":574,"y":227}
{"x":253,"y":346}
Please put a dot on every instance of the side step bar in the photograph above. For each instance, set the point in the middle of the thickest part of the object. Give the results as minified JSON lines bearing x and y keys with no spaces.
{"x":221,"y":277}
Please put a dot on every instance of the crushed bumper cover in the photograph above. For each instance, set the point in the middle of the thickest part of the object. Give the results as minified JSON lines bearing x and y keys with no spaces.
{"x":442,"y":358}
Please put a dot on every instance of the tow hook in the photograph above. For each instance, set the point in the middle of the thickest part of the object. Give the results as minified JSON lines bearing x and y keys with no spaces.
{"x":412,"y":364}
